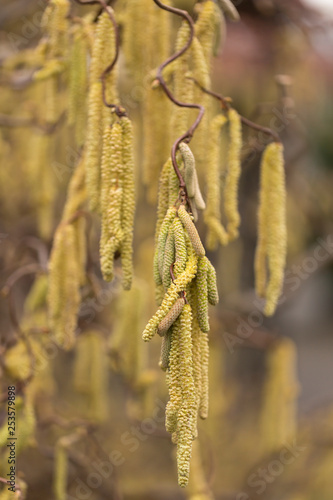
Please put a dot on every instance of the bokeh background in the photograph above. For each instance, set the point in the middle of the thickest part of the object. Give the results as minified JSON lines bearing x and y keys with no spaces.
{"x":270,"y":431}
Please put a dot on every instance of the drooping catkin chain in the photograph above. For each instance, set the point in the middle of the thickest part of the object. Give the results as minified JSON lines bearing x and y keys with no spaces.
{"x":117,"y":200}
{"x":182,"y":320}
{"x":272,"y":233}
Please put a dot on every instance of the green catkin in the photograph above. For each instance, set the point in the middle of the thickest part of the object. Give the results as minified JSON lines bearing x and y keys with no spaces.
{"x":171,"y":317}
{"x":202,"y":295}
{"x":233,"y":174}
{"x":128,"y":203}
{"x":171,"y":296}
{"x":78,"y":83}
{"x":162,"y":238}
{"x":60,"y":472}
{"x":196,"y":356}
{"x":229,"y":9}
{"x":165,"y":351}
{"x":173,"y":186}
{"x":163,"y":196}
{"x":204,"y":397}
{"x":180,"y":247}
{"x":216,"y":232}
{"x":191,"y":231}
{"x":187,"y":411}
{"x":271,"y":227}
{"x":212,"y":291}
{"x":191,"y":178}
{"x":169,"y":257}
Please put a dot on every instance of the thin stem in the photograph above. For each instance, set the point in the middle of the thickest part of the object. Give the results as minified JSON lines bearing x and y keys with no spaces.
{"x":226,"y":106}
{"x":187,"y":136}
{"x":119,"y":110}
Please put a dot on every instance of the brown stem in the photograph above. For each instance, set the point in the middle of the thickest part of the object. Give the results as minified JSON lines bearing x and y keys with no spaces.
{"x":187,"y":136}
{"x":119,"y":110}
{"x":226,"y":106}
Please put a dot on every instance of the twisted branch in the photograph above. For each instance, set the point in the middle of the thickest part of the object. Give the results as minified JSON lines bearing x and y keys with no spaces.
{"x":119,"y":110}
{"x":225,"y":103}
{"x":187,"y":136}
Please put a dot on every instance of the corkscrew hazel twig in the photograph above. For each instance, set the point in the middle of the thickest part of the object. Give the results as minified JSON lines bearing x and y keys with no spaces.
{"x":119,"y":110}
{"x":187,"y":136}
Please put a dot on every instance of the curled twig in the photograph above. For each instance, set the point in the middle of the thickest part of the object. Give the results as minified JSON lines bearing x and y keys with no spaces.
{"x":187,"y":136}
{"x":119,"y":110}
{"x":225,"y":103}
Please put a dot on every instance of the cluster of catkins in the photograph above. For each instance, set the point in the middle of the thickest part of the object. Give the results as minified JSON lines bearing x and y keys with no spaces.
{"x":104,"y":175}
{"x":186,"y":284}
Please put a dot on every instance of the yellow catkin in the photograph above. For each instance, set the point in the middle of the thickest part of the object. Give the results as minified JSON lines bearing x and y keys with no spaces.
{"x":55,"y":20}
{"x":64,"y":287}
{"x":60,"y":472}
{"x":171,"y":317}
{"x":272,"y":234}
{"x":187,"y":411}
{"x":165,"y":351}
{"x":233,"y":175}
{"x":180,"y":247}
{"x":157,"y":107}
{"x":202,"y":295}
{"x":204,"y":398}
{"x":191,"y":231}
{"x":183,"y":86}
{"x":128,"y":202}
{"x":17,"y":361}
{"x":173,"y":380}
{"x":216,"y":231}
{"x":279,"y":408}
{"x":111,"y":199}
{"x":37,"y":294}
{"x":78,"y":83}
{"x":206,"y":28}
{"x":196,"y":357}
{"x":101,"y":56}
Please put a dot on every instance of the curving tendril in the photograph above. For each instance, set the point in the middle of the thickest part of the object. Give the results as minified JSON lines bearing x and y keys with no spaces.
{"x":187,"y":136}
{"x":119,"y":110}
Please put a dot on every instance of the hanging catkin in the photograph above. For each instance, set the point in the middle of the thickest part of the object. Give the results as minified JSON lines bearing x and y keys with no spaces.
{"x":278,"y":412}
{"x":271,"y":246}
{"x":216,"y":232}
{"x":118,"y":200}
{"x":78,"y":84}
{"x":102,"y":54}
{"x":60,"y":472}
{"x":233,"y":174}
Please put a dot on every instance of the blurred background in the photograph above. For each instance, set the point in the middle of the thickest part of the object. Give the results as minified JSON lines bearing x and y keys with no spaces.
{"x":270,"y":431}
